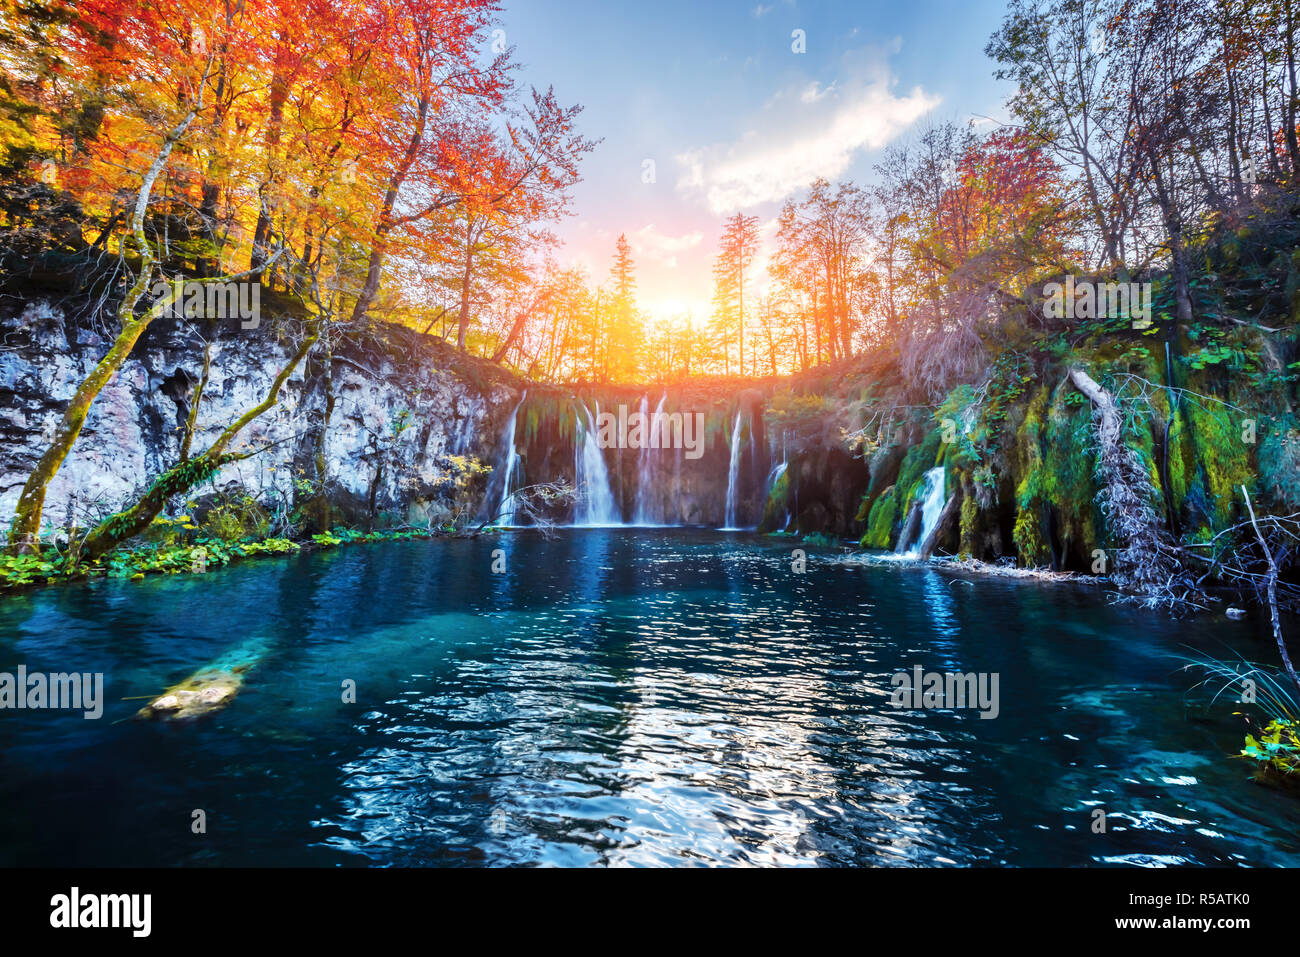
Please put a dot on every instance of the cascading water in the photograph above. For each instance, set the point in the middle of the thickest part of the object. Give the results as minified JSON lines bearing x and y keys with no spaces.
{"x":772,"y":478}
{"x":466,"y":430}
{"x":645,"y":479}
{"x":506,"y":510}
{"x":775,"y":476}
{"x":595,"y":504}
{"x":733,"y":473}
{"x":778,"y":469}
{"x":931,"y":508}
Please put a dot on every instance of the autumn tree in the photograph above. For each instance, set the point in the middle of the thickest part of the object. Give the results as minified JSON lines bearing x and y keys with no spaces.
{"x":736,"y":250}
{"x":624,"y":326}
{"x":324,"y":148}
{"x":170,"y":82}
{"x":1055,"y":51}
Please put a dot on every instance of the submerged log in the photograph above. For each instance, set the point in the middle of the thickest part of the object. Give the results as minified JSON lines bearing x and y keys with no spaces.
{"x":199,"y":694}
{"x":209,"y":689}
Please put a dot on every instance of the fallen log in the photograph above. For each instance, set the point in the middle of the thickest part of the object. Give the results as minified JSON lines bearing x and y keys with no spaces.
{"x":1143,"y":564}
{"x":950,"y":508}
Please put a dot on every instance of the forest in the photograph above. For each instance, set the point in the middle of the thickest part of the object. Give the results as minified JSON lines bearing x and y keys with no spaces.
{"x":277,"y":276}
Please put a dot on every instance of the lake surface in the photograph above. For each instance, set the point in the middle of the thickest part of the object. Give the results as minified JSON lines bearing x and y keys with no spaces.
{"x":624,"y":696}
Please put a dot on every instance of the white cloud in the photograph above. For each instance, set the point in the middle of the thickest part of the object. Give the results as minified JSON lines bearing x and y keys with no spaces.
{"x":649,"y":242}
{"x":762,"y":10}
{"x":803,"y":133}
{"x":814,"y":92}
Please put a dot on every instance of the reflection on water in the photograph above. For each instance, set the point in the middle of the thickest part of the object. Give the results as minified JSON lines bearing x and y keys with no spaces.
{"x":622,"y":697}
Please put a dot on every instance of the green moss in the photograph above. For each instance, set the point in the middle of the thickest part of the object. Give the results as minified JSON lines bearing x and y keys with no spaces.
{"x":789,"y":409}
{"x":547,"y":414}
{"x":1067,"y":480}
{"x":955,"y":416}
{"x":918,"y":460}
{"x":1208,"y":462}
{"x":864,"y":508}
{"x":1026,"y":454}
{"x":1182,"y":461}
{"x":969,"y":521}
{"x":880,"y":524}
{"x":1027,"y":534}
{"x":532,"y":420}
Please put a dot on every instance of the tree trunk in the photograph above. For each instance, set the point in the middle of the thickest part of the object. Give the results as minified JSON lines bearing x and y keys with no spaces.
{"x":1292,"y":147}
{"x":24,"y":532}
{"x":184,"y":476}
{"x":462,"y":323}
{"x":1143,"y":564}
{"x":384,"y":225}
{"x":950,"y":508}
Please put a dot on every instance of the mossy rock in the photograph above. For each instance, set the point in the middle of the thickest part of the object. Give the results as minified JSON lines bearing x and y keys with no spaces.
{"x":970,"y":513}
{"x":1067,"y":481}
{"x":1208,"y":462}
{"x":1027,"y":534}
{"x":880,"y":523}
{"x":201,"y":693}
{"x":211,"y":687}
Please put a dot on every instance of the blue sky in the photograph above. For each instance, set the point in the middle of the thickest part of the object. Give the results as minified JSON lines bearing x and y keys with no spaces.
{"x":731,"y":117}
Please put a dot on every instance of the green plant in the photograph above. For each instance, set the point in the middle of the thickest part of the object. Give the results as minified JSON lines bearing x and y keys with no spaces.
{"x":237,"y":518}
{"x":818,"y":538}
{"x":16,"y":570}
{"x":1277,"y":748}
{"x":271,"y":546}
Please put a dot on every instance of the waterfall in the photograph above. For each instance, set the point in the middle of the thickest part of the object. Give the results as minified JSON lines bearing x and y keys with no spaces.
{"x":595,"y":504}
{"x":773,"y":477}
{"x":779,"y":468}
{"x":460,"y":442}
{"x":732,"y":473}
{"x":645,"y":479}
{"x":677,"y":485}
{"x":506,"y":510}
{"x":931,"y":508}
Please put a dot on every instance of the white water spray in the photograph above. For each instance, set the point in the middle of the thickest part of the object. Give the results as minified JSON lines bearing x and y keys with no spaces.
{"x":506,"y":510}
{"x":645,"y":480}
{"x":931,"y":508}
{"x":596,"y":504}
{"x":732,"y":473}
